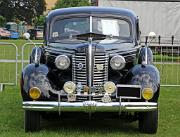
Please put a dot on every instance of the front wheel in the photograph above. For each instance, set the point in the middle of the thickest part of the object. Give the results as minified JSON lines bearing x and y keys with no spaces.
{"x":148,"y":122}
{"x":31,"y":121}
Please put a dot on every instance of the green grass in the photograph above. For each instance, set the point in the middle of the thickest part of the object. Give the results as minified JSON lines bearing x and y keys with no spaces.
{"x":11,"y":113}
{"x":169,"y":73}
{"x":7,"y":71}
{"x":11,"y":120}
{"x":166,"y":58}
{"x":19,"y":43}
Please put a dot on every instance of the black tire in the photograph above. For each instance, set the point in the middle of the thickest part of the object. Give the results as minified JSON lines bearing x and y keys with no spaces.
{"x":31,"y":121}
{"x":148,"y":122}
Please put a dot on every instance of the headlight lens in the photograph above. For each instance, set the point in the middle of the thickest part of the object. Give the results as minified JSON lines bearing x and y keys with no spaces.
{"x":35,"y":93}
{"x":117,"y":62}
{"x":62,"y":62}
{"x":109,"y":87}
{"x":147,"y":93}
{"x":69,"y":87}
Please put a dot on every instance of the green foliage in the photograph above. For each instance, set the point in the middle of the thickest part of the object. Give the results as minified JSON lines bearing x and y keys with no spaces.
{"x":71,"y":3}
{"x":22,"y":10}
{"x":2,"y":21}
{"x":39,"y":21}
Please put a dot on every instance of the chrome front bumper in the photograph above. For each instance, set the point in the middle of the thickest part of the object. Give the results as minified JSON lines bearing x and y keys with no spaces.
{"x":89,"y":106}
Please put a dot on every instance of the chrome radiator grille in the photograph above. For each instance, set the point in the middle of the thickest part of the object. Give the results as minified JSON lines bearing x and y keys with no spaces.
{"x":100,"y":70}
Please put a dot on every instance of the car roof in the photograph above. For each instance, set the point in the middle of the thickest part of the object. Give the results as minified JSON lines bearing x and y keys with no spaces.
{"x":92,"y":10}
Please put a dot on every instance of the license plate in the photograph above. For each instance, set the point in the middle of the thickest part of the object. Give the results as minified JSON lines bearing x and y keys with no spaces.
{"x":129,"y":91}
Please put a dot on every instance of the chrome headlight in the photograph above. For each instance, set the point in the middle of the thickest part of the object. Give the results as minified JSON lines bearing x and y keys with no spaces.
{"x":69,"y":87}
{"x":62,"y":62}
{"x":117,"y":62}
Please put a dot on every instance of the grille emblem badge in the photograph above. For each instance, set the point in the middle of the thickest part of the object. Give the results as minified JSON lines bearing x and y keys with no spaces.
{"x":79,"y":88}
{"x":99,"y":67}
{"x":86,"y":89}
{"x":93,"y":89}
{"x":106,"y":99}
{"x":80,"y":66}
{"x":71,"y":97}
{"x":100,"y":87}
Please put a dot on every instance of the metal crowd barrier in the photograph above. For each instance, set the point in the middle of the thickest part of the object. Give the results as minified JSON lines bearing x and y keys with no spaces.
{"x":8,"y":64}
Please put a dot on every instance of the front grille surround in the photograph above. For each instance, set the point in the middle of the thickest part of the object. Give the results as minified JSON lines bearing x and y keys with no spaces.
{"x":80,"y":75}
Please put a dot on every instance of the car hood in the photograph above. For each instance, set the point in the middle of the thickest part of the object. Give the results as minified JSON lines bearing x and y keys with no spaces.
{"x":110,"y":48}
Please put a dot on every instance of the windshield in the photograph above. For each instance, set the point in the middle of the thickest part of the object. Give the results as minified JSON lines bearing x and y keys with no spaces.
{"x":65,"y":28}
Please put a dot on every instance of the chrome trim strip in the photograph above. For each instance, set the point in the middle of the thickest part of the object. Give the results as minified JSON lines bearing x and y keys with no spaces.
{"x":146,"y":56}
{"x":89,"y":106}
{"x":91,"y":24}
{"x":36,"y":56}
{"x":90,"y":63}
{"x":131,"y":86}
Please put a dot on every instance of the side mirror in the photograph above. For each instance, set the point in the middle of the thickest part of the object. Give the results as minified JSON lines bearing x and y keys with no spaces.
{"x":152,"y":36}
{"x":26,"y":36}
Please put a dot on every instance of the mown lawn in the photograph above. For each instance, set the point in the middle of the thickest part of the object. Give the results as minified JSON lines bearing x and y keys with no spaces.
{"x":11,"y":113}
{"x":7,"y":52}
{"x":11,"y":120}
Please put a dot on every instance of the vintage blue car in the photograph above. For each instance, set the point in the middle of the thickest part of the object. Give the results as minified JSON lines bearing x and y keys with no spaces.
{"x":91,"y":62}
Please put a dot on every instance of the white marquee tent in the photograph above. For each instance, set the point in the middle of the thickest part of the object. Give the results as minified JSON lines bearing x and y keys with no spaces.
{"x":160,"y":16}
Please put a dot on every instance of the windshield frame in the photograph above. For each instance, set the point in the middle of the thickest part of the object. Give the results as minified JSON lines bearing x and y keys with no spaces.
{"x":85,"y":15}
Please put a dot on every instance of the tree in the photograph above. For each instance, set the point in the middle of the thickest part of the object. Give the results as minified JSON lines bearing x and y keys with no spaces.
{"x":23,"y":10}
{"x":2,"y":21}
{"x":71,"y":3}
{"x":39,"y":21}
{"x":7,"y":9}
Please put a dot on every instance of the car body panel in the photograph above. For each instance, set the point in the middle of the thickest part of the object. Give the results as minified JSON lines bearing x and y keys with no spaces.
{"x":89,"y":56}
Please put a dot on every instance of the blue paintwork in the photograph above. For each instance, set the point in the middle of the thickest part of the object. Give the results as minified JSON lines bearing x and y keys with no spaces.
{"x":33,"y":76}
{"x":145,"y":75}
{"x":142,"y":55}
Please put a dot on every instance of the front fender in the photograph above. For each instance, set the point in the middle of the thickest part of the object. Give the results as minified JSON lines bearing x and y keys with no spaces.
{"x":145,"y":75}
{"x":33,"y":76}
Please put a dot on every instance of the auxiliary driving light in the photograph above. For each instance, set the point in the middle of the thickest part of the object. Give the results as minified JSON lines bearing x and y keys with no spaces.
{"x":69,"y":87}
{"x":147,"y":93}
{"x":117,"y":62}
{"x":109,"y":87}
{"x":35,"y":93}
{"x":62,"y":62}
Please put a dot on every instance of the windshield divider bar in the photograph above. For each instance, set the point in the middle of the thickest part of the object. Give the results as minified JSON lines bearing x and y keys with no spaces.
{"x":91,"y":24}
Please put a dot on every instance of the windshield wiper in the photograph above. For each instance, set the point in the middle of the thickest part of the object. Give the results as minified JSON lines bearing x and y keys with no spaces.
{"x":86,"y":36}
{"x":97,"y":36}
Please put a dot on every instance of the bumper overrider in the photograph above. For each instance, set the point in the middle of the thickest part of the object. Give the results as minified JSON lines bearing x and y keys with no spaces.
{"x":90,"y":106}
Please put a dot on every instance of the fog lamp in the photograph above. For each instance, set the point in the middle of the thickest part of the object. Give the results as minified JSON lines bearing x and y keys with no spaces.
{"x":147,"y":93}
{"x":35,"y":93}
{"x":109,"y":87}
{"x":69,"y":87}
